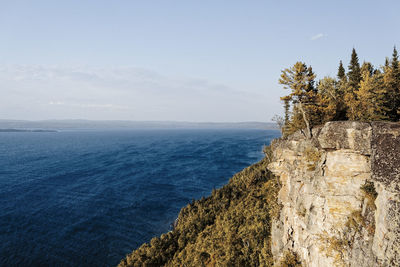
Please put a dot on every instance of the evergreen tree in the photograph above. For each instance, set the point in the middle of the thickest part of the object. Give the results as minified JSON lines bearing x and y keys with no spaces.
{"x":392,"y":86}
{"x":396,"y":81}
{"x":310,"y":80}
{"x":365,"y":94}
{"x":300,"y":79}
{"x":342,"y":87}
{"x":395,"y":60}
{"x":286,"y":105}
{"x":296,"y":79}
{"x":352,"y":85}
{"x":368,"y":67}
{"x":341,"y":72}
{"x":370,"y":104}
{"x":311,"y":101}
{"x":386,"y":62}
{"x":354,"y":74}
{"x":331,"y":99}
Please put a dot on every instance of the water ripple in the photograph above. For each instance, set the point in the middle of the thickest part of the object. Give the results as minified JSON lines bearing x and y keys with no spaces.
{"x":88,"y":198}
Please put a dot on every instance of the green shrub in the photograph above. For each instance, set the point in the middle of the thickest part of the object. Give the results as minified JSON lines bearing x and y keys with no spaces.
{"x":370,"y":193}
{"x":290,"y":259}
{"x":229,"y":228}
{"x":312,"y":156}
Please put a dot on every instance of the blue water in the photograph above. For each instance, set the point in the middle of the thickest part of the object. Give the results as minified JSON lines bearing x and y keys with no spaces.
{"x":89,"y":198}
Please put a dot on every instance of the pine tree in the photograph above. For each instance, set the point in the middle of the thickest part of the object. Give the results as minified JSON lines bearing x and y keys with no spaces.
{"x":395,"y":59}
{"x":371,"y":103}
{"x":367,"y":66}
{"x":351,"y":86}
{"x":386,"y":63}
{"x":365,"y":94}
{"x":341,"y":72}
{"x":286,"y":105}
{"x":392,"y":86}
{"x":296,"y":79}
{"x":396,"y":81}
{"x":342,"y":88}
{"x":310,"y":80}
{"x":331,"y":99}
{"x":354,"y":74}
{"x":300,"y":79}
{"x":312,"y":100}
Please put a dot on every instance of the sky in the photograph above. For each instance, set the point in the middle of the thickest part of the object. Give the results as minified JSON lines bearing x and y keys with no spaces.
{"x":179,"y":60}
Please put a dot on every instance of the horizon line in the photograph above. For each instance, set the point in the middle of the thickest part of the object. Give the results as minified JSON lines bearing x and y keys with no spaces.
{"x":122,"y":120}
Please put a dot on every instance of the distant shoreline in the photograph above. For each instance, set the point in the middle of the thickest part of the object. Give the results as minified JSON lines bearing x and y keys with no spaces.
{"x":54,"y":125}
{"x":26,"y":131}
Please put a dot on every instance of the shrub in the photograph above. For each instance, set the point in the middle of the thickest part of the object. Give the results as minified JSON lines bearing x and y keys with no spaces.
{"x":229,"y":228}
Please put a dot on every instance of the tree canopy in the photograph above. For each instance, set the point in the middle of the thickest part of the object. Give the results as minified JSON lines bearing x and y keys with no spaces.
{"x":363,"y":93}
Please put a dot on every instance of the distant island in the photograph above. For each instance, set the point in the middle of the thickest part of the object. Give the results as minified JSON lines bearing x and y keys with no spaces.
{"x":22,"y":125}
{"x":26,"y":130}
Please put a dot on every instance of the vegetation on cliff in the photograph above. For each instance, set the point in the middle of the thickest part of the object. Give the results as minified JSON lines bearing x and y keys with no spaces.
{"x":229,"y":228}
{"x":232,"y":227}
{"x":364,"y":93}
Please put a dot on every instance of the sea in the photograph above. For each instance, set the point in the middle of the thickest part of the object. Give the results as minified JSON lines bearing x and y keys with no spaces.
{"x":88,"y":198}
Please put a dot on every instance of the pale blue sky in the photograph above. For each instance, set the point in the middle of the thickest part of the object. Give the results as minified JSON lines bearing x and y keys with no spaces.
{"x":176,"y":60}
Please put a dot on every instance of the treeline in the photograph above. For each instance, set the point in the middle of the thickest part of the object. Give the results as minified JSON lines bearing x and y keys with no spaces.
{"x":363,"y":93}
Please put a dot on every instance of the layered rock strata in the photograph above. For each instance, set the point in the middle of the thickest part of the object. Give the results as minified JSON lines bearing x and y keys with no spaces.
{"x":340,"y":195}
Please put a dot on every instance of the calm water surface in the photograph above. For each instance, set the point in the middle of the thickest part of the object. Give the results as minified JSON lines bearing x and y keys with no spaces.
{"x":89,"y":198}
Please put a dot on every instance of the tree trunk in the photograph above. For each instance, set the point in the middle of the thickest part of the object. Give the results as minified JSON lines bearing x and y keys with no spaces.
{"x":308,"y":130}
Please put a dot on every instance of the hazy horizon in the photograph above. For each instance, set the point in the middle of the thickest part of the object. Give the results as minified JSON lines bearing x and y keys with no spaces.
{"x":126,"y":124}
{"x":116,"y":120}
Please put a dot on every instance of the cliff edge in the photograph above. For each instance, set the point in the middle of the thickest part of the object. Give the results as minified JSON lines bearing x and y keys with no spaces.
{"x":332,"y":200}
{"x":231,"y":227}
{"x":339,"y":196}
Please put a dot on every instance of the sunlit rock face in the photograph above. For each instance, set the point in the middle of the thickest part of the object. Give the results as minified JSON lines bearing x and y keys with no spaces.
{"x":330,"y":213}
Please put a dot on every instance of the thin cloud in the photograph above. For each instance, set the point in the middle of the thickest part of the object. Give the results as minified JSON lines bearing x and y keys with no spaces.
{"x":318,"y":36}
{"x":43,"y":92}
{"x":108,"y":106}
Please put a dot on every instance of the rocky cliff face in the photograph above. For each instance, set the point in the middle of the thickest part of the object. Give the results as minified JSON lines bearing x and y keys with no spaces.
{"x":340,"y":195}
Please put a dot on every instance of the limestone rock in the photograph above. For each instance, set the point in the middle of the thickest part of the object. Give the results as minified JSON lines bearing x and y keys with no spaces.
{"x":328,"y":217}
{"x":346,"y":135}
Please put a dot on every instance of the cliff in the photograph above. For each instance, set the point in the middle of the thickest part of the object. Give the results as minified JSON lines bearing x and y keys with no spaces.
{"x":340,"y":195}
{"x":332,"y":200}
